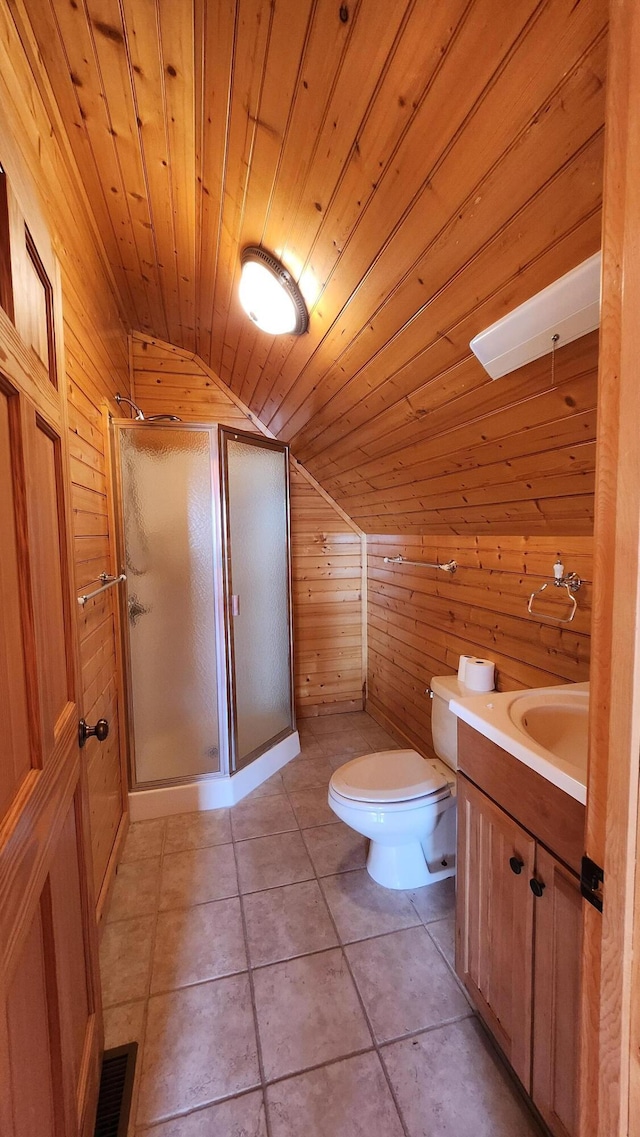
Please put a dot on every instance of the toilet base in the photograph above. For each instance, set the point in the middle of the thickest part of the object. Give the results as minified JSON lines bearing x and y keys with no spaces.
{"x":405,"y":866}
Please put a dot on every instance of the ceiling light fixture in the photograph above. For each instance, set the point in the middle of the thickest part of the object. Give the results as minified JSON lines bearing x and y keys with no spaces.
{"x":270,"y":295}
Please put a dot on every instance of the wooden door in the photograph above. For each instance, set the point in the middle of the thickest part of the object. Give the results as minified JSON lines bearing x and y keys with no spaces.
{"x":556,"y":1022}
{"x":50,"y":1029}
{"x":494,"y":921}
{"x":610,"y":1058}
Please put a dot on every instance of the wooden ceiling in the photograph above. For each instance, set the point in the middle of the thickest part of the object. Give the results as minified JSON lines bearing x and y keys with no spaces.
{"x":420,"y":168}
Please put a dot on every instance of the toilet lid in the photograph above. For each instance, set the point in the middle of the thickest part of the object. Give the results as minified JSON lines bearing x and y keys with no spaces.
{"x":391,"y":775}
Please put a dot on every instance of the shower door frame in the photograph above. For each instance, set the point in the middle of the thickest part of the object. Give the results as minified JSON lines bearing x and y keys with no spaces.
{"x":219,"y":594}
{"x":226,"y":432}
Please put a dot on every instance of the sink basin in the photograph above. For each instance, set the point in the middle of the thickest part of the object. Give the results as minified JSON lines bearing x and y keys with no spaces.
{"x":558,"y":721}
{"x":547,"y":729}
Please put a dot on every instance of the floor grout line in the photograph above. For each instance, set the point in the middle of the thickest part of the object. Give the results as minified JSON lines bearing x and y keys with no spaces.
{"x":376,"y":1047}
{"x":256,"y":1024}
{"x":362,"y":1006}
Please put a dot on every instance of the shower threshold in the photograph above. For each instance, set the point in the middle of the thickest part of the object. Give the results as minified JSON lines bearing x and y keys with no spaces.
{"x":215,"y":792}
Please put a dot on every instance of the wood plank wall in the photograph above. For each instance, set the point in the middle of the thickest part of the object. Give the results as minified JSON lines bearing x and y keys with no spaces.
{"x":421,"y":620}
{"x":326,"y":547}
{"x":502,"y":500}
{"x":35,"y":153}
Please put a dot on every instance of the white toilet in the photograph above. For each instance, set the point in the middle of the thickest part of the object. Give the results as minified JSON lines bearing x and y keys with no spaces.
{"x":404,"y":803}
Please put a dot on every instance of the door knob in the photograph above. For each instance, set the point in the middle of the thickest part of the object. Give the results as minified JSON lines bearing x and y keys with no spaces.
{"x":516,"y":865}
{"x":536,"y":886}
{"x":99,"y":731}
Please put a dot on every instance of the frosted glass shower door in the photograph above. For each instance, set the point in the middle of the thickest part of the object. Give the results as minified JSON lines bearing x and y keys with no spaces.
{"x":167,"y":497}
{"x":258,"y":600}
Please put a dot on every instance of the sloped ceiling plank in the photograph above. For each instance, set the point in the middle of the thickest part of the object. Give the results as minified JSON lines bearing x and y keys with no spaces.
{"x":528,"y":169}
{"x":323,"y":128}
{"x":523,"y":249}
{"x":121,"y":131}
{"x":216,"y":31}
{"x":421,"y":168}
{"x":288,"y":40}
{"x":145,"y":52}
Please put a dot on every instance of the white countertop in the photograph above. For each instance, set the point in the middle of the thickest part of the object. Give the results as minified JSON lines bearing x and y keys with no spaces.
{"x":490,"y":714}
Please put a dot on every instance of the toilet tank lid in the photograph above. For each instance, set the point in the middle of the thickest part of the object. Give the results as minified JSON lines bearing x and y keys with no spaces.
{"x":390,"y":775}
{"x":449,"y":687}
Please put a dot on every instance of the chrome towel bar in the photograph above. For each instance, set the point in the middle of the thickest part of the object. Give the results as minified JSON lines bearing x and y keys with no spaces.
{"x":107,"y":582}
{"x":449,"y":566}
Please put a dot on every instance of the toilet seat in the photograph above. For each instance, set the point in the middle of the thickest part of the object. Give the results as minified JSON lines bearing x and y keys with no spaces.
{"x":400,"y":778}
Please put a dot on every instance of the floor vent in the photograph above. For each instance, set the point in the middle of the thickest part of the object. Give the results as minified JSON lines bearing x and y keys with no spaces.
{"x":116,"y":1089}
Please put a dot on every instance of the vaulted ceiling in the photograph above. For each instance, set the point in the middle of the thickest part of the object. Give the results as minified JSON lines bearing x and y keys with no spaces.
{"x":420,"y":168}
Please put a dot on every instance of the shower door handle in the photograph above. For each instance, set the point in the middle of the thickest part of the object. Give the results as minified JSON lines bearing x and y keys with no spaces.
{"x":235,"y":605}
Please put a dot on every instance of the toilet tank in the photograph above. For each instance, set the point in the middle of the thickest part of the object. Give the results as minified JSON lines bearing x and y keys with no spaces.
{"x":444,"y":724}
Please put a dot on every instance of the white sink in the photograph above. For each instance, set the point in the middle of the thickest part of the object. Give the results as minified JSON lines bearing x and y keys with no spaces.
{"x":546,"y":728}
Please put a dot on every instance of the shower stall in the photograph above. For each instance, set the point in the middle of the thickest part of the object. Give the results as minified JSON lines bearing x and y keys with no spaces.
{"x":204,"y":544}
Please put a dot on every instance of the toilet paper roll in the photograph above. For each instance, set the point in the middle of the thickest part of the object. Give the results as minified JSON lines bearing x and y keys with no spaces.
{"x":462,"y":666}
{"x":479,"y":674}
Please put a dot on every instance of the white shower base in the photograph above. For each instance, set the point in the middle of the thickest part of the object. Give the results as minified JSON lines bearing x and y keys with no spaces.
{"x":216,"y":791}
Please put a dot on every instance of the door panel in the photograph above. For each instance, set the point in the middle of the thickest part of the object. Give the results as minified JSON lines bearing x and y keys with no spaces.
{"x":558,"y":949}
{"x":68,"y":934}
{"x":46,"y":548}
{"x":14,"y":718}
{"x":495,"y":912}
{"x":50,"y":1021}
{"x":30,"y":1078}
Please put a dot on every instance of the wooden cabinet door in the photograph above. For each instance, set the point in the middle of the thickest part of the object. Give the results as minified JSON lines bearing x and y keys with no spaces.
{"x":50,"y":1031}
{"x":556,"y":1029}
{"x":494,"y":933}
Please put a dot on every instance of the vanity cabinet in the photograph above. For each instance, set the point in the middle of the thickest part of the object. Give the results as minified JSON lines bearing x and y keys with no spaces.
{"x":519,"y":921}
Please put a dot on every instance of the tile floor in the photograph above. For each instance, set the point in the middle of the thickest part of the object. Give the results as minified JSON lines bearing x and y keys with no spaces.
{"x":276,"y":990}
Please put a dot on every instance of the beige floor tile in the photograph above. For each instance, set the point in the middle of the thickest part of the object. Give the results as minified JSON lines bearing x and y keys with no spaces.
{"x":350,"y":744}
{"x":322,"y":725}
{"x":350,"y":1098}
{"x":197,"y":876}
{"x":135,"y":891}
{"x":338,"y":760}
{"x":405,"y":984}
{"x":361,"y":908}
{"x":288,"y":921}
{"x":124,"y":1024}
{"x":238,"y":1117}
{"x":380,"y":739}
{"x":273,"y":787}
{"x":335,"y":848}
{"x":308,"y":1013}
{"x":309,"y":748}
{"x":197,"y":830}
{"x":125,"y":959}
{"x":266,"y":862}
{"x":435,"y":901}
{"x":260,"y":818}
{"x":195,"y":944}
{"x":449,"y":1081}
{"x":200,"y":1045}
{"x":311,"y":807}
{"x":144,"y":839}
{"x":303,"y":774}
{"x":443,"y":932}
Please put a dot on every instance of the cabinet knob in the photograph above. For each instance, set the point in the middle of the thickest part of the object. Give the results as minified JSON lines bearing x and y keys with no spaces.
{"x":536,"y":886}
{"x":516,"y":865}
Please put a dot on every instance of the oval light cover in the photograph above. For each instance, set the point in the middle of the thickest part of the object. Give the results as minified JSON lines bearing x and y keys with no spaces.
{"x":270,"y":296}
